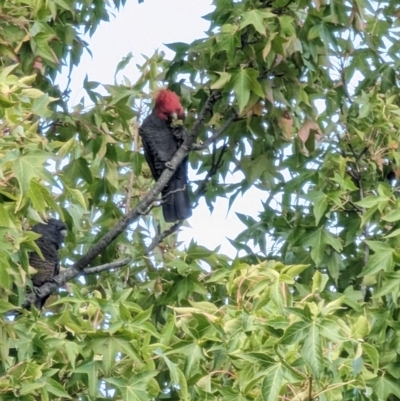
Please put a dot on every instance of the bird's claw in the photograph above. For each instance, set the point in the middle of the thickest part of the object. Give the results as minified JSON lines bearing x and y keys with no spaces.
{"x":169,"y":165}
{"x":54,"y":281}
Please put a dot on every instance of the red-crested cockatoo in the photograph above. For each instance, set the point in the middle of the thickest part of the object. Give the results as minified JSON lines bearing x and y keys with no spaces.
{"x":161,"y":139}
{"x":53,"y":235}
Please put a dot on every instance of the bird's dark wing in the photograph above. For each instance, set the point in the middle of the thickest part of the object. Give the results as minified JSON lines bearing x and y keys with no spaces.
{"x":149,"y":157}
{"x":176,"y":202}
{"x":159,"y":143}
{"x":46,"y":269}
{"x":52,"y":235}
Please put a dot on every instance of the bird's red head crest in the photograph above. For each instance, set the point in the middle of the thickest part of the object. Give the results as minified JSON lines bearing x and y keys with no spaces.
{"x":168,"y":105}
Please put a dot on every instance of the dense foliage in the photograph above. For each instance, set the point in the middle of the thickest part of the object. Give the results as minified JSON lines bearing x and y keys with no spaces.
{"x":307,"y":106}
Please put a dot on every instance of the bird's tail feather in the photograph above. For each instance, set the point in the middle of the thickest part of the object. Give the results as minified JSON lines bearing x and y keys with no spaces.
{"x":176,"y":204}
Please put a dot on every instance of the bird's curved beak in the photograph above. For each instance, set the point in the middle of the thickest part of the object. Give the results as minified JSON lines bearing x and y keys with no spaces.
{"x":63,"y":233}
{"x":174,"y":116}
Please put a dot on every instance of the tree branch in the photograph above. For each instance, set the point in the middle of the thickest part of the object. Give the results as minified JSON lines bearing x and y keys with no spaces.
{"x":216,"y":164}
{"x":107,"y":266}
{"x":144,"y":204}
{"x":79,"y":267}
{"x":67,"y":275}
{"x":70,"y":273}
{"x":216,"y":134}
{"x":161,"y":236}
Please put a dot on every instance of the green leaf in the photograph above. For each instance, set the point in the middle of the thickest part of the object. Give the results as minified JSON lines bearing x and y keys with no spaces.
{"x":77,"y":196}
{"x":371,"y":201}
{"x":392,"y":216}
{"x":5,"y":102}
{"x":4,"y":217}
{"x":27,"y":167}
{"x":41,"y":47}
{"x":255,"y":18}
{"x":36,"y":196}
{"x":66,"y":5}
{"x":383,"y":386}
{"x":73,"y":350}
{"x":293,"y":271}
{"x":123,"y":63}
{"x":287,"y":25}
{"x":136,"y":388}
{"x":27,"y":388}
{"x":5,"y":72}
{"x":5,"y":306}
{"x":40,"y":106}
{"x":360,"y":328}
{"x":395,"y":233}
{"x":112,"y":173}
{"x":90,"y":369}
{"x":183,"y":386}
{"x":32,"y":93}
{"x":245,"y":81}
{"x":314,"y":32}
{"x":320,"y":203}
{"x":56,"y":389}
{"x":79,"y":168}
{"x":226,"y":42}
{"x":66,"y":148}
{"x":312,"y":350}
{"x":224,"y":78}
{"x":390,"y":285}
{"x":272,"y":382}
{"x":373,"y":355}
{"x":381,"y":260}
{"x":295,"y":333}
{"x":319,"y":282}
{"x":318,"y":239}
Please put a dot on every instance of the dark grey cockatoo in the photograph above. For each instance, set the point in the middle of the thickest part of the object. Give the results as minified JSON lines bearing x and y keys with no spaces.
{"x":160,"y":141}
{"x":53,"y":234}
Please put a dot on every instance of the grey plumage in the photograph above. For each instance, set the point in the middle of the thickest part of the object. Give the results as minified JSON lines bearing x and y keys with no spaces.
{"x":52,"y":236}
{"x":160,"y":142}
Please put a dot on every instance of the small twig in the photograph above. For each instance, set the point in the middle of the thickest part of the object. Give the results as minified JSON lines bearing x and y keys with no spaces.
{"x":215,"y":166}
{"x":355,"y":173}
{"x":161,"y":236}
{"x":132,"y":176}
{"x":357,"y":208}
{"x":164,"y":198}
{"x":27,"y":117}
{"x":107,"y":266}
{"x":56,"y":123}
{"x":136,"y":149}
{"x":310,"y":397}
{"x":358,"y":158}
{"x":216,"y":134}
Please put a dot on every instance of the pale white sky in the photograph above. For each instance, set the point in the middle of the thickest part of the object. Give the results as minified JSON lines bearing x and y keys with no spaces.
{"x":141,"y":29}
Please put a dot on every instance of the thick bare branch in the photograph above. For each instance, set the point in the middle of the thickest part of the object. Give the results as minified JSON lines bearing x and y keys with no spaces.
{"x":67,"y":275}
